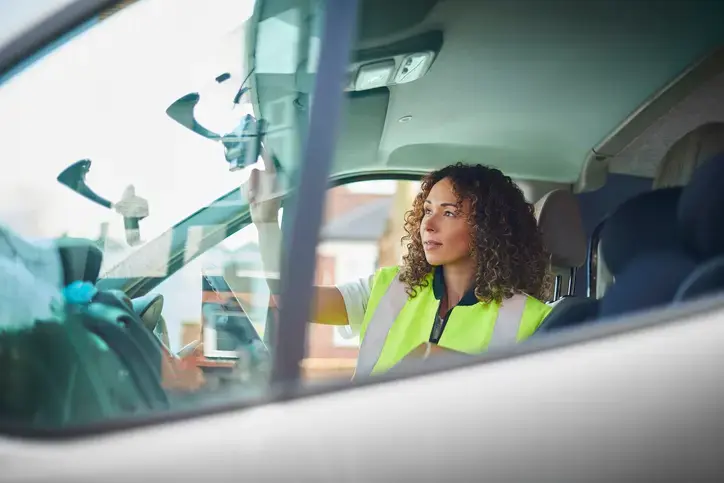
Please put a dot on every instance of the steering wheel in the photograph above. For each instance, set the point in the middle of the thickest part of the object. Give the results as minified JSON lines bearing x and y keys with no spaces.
{"x":110,"y":315}
{"x":132,"y":322}
{"x":112,"y":319}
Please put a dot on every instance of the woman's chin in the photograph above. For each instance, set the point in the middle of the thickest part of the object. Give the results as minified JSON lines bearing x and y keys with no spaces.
{"x":437,"y":260}
{"x":433,"y":260}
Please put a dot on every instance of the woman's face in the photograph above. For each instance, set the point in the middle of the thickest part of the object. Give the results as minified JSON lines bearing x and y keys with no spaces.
{"x":444,"y":230}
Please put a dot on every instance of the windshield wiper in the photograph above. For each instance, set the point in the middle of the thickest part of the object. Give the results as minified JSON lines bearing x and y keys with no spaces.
{"x":74,"y":178}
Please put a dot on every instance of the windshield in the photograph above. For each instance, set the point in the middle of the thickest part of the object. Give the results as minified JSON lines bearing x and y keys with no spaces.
{"x":104,"y":97}
{"x":136,"y":136}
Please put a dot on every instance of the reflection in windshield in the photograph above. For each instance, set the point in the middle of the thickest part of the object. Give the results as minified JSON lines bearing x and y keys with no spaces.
{"x":95,"y":153}
{"x":103,"y":97}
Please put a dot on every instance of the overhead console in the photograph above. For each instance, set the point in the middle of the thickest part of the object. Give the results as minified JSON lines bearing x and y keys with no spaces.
{"x":398,"y":63}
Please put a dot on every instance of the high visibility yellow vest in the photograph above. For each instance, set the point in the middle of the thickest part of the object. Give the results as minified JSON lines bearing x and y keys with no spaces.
{"x":395,"y":324}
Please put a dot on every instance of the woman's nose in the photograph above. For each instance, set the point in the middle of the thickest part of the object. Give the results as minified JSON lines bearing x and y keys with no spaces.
{"x":429,"y":224}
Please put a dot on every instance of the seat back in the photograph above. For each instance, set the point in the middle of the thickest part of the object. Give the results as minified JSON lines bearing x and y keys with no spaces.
{"x":644,"y":252}
{"x":645,"y":223}
{"x":700,"y":210}
{"x":684,"y":266}
{"x":560,"y":222}
{"x":641,"y":227}
{"x":701,"y":225}
{"x":668,"y":244}
{"x":651,"y":279}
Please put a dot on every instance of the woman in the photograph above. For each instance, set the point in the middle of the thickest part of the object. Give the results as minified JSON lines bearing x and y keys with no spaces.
{"x":473,"y":276}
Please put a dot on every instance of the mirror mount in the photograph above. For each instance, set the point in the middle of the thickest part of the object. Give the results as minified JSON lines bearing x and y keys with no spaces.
{"x":242,"y":146}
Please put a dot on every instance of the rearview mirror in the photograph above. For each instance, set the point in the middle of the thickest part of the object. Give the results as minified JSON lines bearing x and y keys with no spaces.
{"x":242,"y":146}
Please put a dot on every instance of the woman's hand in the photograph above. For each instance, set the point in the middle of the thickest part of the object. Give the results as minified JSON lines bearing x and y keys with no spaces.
{"x":262,"y":193}
{"x":427,"y":349}
{"x":262,"y":190}
{"x":420,"y":353}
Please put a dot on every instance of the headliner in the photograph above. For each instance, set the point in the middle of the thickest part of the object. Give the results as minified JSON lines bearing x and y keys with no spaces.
{"x":528,"y":86}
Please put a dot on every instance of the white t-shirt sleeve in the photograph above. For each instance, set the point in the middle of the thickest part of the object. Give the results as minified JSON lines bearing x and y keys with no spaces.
{"x":356,"y":294}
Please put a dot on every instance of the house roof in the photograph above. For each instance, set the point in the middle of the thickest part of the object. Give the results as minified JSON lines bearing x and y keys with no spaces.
{"x":364,"y":223}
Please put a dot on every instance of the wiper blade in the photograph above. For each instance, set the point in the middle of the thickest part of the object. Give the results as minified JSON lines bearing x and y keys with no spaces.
{"x":182,"y":111}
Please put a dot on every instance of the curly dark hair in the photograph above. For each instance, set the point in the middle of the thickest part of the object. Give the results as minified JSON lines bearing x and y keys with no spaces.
{"x":507,"y":242}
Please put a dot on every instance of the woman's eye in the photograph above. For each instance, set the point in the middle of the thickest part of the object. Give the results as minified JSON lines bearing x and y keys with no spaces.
{"x":427,"y":211}
{"x":449,"y":213}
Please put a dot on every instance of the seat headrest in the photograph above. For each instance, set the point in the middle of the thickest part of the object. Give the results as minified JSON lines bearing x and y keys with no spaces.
{"x":644,"y":223}
{"x":701,"y":209}
{"x":559,"y":219}
{"x":685,"y":155}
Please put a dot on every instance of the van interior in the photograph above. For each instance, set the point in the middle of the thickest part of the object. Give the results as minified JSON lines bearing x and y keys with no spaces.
{"x":609,"y":115}
{"x":603,"y":112}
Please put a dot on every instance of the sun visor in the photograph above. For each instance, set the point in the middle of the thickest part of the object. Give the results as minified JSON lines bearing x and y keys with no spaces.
{"x":361,"y":131}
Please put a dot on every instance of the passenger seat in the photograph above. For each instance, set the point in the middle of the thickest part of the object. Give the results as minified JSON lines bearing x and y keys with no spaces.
{"x":701,"y":224}
{"x":560,"y":222}
{"x":701,"y":206}
{"x":665,"y":245}
{"x":644,"y":252}
{"x":645,"y":224}
{"x":688,"y":264}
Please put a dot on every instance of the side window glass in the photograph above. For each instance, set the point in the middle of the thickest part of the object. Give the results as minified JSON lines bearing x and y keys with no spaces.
{"x":208,"y":286}
{"x":171,"y":123}
{"x":213,"y":298}
{"x":219,"y":305}
{"x":361,"y":231}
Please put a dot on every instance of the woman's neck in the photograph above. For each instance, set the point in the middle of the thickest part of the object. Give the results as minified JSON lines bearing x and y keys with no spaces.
{"x":459,"y":278}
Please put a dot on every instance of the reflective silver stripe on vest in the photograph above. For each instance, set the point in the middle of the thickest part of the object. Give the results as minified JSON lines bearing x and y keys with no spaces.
{"x":507,"y":324}
{"x":379,"y":326}
{"x":505,"y":332}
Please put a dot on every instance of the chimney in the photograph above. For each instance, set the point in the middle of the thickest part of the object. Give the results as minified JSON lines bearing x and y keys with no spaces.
{"x":104,"y":234}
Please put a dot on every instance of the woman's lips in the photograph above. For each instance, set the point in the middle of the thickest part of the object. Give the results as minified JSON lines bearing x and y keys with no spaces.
{"x":431,"y":245}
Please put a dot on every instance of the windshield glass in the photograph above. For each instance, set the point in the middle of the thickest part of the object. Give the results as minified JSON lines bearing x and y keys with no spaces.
{"x":136,"y":136}
{"x":104,"y":95}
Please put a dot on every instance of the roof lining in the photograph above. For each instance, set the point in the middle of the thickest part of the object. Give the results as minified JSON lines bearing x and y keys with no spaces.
{"x":596,"y":166}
